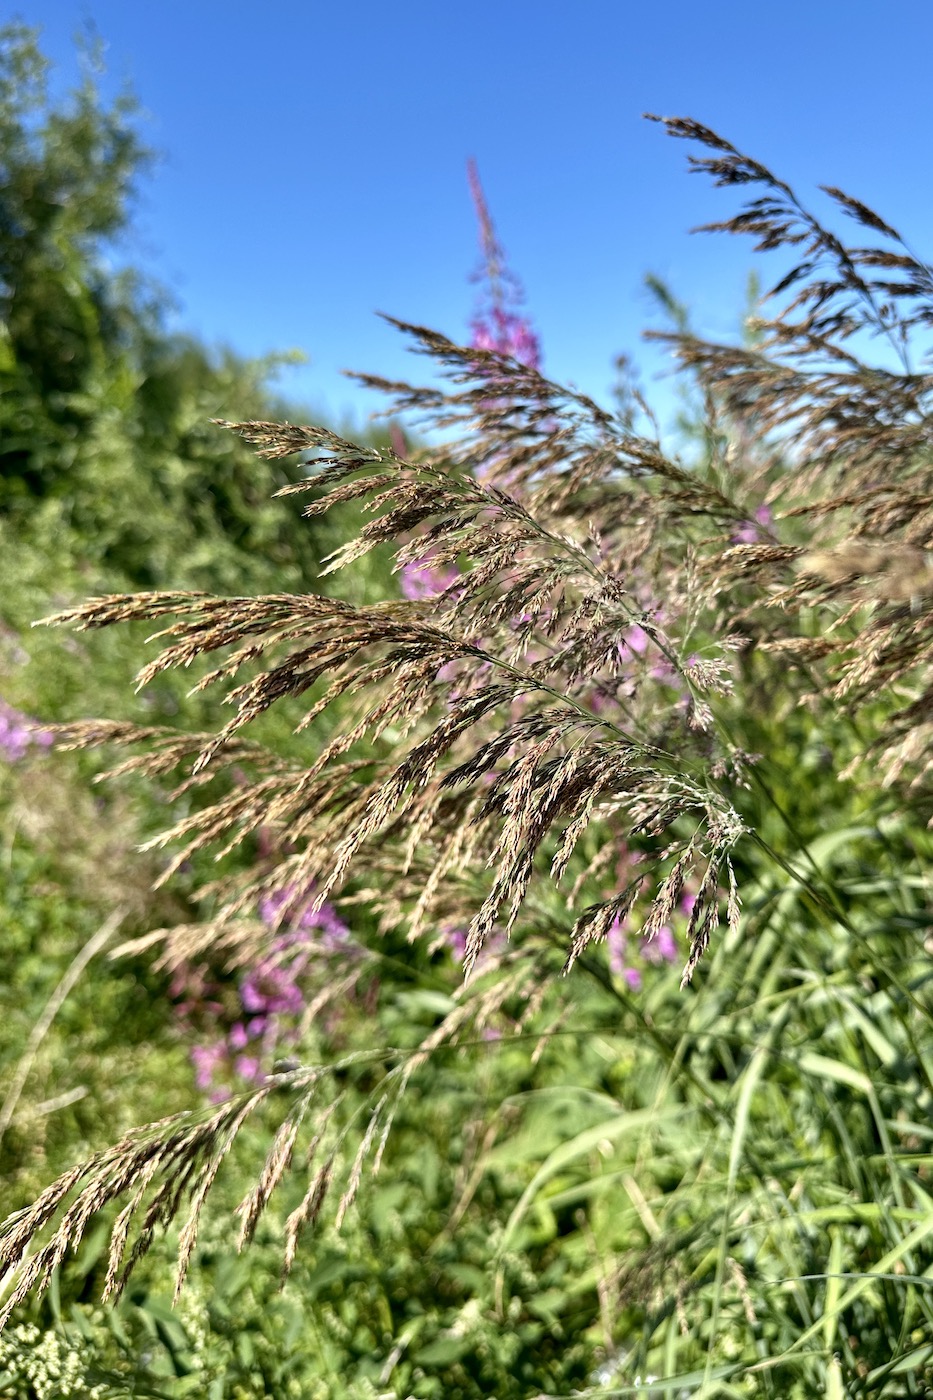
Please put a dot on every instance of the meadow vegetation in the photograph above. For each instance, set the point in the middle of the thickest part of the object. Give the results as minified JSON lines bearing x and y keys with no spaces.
{"x":633,"y":732}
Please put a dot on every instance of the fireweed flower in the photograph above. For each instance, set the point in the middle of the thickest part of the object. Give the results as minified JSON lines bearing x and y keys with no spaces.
{"x":253,"y":1023}
{"x":422,"y":580}
{"x":751,"y":531}
{"x":629,"y":953}
{"x":454,"y":937}
{"x":207,"y":1061}
{"x":661,"y":948}
{"x":333,"y":933}
{"x":627,"y":962}
{"x":18,"y":733}
{"x":498,"y":322}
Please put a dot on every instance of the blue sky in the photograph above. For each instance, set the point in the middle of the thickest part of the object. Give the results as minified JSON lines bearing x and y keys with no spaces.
{"x":313,"y":158}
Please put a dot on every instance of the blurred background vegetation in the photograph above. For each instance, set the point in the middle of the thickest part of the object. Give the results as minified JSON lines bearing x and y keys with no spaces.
{"x":727,"y":1188}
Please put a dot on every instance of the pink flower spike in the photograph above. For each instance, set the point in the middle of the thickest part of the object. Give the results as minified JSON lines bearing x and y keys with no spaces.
{"x":498,"y":324}
{"x":667,"y":944}
{"x":420,"y":580}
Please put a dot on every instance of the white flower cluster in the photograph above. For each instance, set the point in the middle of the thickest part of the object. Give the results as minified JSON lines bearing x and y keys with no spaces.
{"x":36,"y":1365}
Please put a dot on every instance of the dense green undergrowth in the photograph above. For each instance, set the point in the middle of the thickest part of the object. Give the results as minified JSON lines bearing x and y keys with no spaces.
{"x":637,"y":1183}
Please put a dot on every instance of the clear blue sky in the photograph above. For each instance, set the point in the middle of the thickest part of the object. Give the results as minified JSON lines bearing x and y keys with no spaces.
{"x":314,"y":155}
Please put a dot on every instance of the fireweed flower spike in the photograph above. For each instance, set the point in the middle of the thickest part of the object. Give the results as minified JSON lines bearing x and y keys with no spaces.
{"x":498,"y":323}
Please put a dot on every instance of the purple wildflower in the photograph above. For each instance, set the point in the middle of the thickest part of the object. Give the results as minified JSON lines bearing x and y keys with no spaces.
{"x":637,"y":639}
{"x":616,"y":940}
{"x":634,"y":644}
{"x":270,"y":998}
{"x":207,"y":1060}
{"x":398,"y":440}
{"x":271,"y":989}
{"x":454,"y":937}
{"x":248,"y":1067}
{"x":239,"y":1036}
{"x":18,"y":732}
{"x":661,"y":948}
{"x":421,"y":580}
{"x":497,"y":323}
{"x":280,"y":908}
{"x":750,"y":533}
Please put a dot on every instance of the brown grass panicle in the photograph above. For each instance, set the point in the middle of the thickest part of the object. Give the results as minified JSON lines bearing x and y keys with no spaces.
{"x":565,"y":693}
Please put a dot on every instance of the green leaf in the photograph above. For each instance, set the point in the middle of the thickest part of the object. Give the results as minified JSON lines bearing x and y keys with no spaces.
{"x":624,"y":1125}
{"x":833,"y":1287}
{"x":444,"y":1351}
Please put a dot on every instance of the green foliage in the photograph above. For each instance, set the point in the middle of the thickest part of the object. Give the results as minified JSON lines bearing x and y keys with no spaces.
{"x":726,"y":1188}
{"x":678,"y":1187}
{"x":108,"y":456}
{"x":398,"y":1299}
